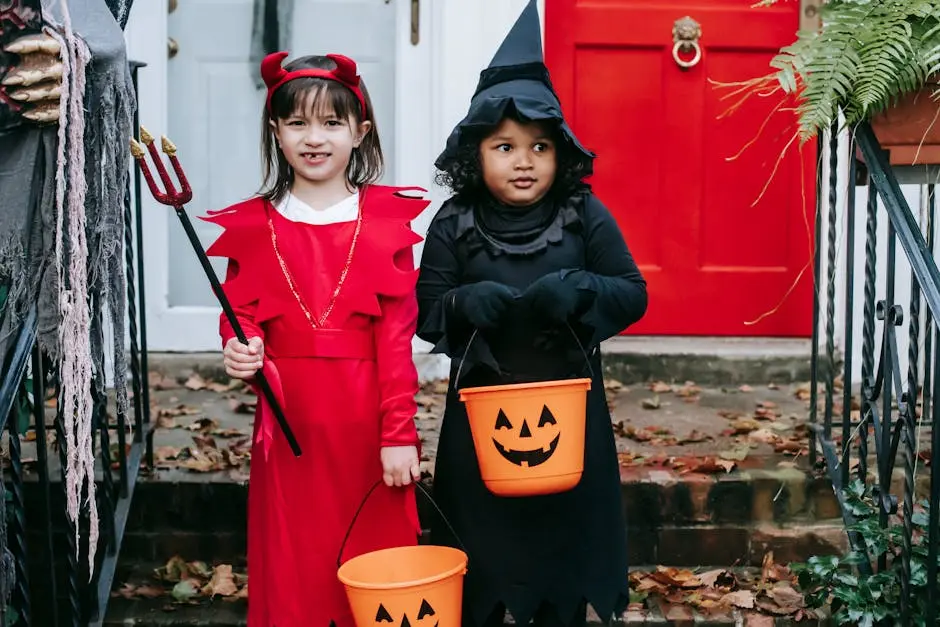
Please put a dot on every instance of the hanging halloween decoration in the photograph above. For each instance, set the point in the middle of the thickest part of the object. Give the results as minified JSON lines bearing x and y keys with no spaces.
{"x":523,"y":448}
{"x":66,"y":107}
{"x":424,"y":617}
{"x":271,"y":30}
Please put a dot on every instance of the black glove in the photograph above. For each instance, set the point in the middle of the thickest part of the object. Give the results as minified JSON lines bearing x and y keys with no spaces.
{"x":483,"y":304}
{"x":555,"y":298}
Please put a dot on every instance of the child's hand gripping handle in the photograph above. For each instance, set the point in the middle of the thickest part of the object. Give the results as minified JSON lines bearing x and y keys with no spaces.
{"x":177,"y":199}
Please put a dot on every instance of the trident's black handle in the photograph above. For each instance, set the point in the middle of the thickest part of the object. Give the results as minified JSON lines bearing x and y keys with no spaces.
{"x":233,"y":321}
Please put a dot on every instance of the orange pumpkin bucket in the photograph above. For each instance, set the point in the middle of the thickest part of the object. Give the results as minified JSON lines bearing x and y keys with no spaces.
{"x":529,"y":437}
{"x":420,"y":586}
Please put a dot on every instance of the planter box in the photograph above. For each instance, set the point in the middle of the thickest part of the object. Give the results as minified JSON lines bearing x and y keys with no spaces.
{"x":910,"y":130}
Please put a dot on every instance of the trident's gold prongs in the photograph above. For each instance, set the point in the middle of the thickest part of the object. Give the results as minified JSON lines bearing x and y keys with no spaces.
{"x":169,"y":148}
{"x":137,"y":150}
{"x":145,"y":136}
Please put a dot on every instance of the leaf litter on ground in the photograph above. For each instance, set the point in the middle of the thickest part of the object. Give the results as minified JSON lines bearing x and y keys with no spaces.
{"x":188,"y":583}
{"x":772,"y":591}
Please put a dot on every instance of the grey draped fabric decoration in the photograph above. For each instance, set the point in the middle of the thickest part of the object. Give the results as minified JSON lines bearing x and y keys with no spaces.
{"x":22,"y":187}
{"x":271,"y":31}
{"x":33,"y":162}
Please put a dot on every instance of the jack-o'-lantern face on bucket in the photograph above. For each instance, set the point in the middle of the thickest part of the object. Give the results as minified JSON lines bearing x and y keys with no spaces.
{"x":522,"y":445}
{"x":391,"y":617}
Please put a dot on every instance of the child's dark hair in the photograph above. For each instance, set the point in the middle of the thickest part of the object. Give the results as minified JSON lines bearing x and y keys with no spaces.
{"x":366,"y":163}
{"x":464,"y":174}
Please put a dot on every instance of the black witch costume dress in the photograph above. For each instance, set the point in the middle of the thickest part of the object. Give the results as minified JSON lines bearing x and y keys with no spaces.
{"x":541,"y":557}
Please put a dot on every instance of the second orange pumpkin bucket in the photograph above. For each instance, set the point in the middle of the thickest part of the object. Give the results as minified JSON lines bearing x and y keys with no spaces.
{"x":529,"y":437}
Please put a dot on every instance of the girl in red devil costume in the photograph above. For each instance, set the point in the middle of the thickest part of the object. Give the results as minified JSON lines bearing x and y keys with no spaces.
{"x":321,"y":277}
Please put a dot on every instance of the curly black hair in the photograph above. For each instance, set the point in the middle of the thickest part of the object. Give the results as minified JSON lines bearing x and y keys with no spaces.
{"x":463,"y":175}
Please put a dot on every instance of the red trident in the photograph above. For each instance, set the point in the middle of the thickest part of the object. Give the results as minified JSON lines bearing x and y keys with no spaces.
{"x":177,"y":199}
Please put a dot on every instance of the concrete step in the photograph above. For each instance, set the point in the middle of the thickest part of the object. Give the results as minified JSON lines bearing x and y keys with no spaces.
{"x":630,"y":359}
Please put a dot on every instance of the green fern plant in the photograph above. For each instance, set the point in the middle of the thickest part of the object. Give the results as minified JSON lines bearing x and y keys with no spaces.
{"x":867,"y":54}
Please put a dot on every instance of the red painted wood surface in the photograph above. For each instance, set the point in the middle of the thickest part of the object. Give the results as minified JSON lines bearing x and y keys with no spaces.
{"x":681,"y":181}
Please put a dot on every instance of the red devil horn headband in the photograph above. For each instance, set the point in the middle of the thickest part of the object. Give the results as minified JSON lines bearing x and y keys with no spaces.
{"x":345,"y":73}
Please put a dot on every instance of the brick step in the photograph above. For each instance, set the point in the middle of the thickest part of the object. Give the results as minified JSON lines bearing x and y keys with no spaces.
{"x":124,"y":613}
{"x":653,"y":498}
{"x":685,"y":545}
{"x":162,"y":612}
{"x":672,"y":518}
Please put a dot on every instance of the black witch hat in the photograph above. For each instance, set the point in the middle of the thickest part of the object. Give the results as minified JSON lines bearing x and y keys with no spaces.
{"x":516,"y":81}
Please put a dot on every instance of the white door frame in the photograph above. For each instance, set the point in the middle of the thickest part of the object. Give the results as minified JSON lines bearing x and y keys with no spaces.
{"x":192,"y":329}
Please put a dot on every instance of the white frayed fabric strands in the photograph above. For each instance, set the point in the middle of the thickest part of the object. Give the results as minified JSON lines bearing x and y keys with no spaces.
{"x":75,"y":364}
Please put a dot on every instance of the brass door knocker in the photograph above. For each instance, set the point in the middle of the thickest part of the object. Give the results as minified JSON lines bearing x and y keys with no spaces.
{"x":685,"y":35}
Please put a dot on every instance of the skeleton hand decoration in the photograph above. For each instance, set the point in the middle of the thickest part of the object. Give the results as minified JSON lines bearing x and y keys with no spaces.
{"x":36,"y":81}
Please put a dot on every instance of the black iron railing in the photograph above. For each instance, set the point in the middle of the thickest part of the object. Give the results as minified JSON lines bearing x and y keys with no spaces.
{"x":53,"y":582}
{"x":878,"y":445}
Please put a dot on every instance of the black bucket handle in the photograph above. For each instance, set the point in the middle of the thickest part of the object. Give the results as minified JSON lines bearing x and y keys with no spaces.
{"x":365,"y":499}
{"x":473,"y":336}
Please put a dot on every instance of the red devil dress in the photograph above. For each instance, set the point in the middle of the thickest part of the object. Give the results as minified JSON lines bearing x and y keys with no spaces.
{"x":333,"y":300}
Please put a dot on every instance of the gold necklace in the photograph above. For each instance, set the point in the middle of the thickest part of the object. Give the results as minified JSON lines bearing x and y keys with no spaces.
{"x":342,"y":277}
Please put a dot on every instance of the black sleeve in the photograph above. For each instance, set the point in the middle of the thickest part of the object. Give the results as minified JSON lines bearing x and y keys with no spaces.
{"x":438,"y":278}
{"x":612,"y":275}
{"x":438,"y":281}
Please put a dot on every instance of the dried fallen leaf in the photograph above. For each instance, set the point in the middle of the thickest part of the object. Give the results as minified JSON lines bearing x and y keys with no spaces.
{"x":651,"y":403}
{"x":802,"y":392}
{"x":228,"y":433}
{"x":195,"y":382}
{"x":657,"y":436}
{"x":222,"y":582}
{"x":659,"y":387}
{"x":694,"y":437}
{"x":717,"y":577}
{"x":772,"y":571}
{"x":745,"y":388}
{"x":184,"y":591}
{"x":688,"y":390}
{"x":737,"y":453}
{"x":221,"y":388}
{"x":166,"y":453}
{"x":739,"y":598}
{"x":680,"y":577}
{"x":744,"y":425}
{"x":765,"y":436}
{"x":178,"y":410}
{"x":134,"y":591}
{"x":788,"y":446}
{"x":242,"y":407}
{"x":159,"y":381}
{"x":203,"y":425}
{"x":786,"y":597}
{"x":174,"y":570}
{"x":706,"y":465}
{"x":427,"y":400}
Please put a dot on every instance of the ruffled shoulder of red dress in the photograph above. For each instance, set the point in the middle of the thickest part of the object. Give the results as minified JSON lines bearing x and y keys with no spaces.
{"x":245,"y":241}
{"x":383,"y":263}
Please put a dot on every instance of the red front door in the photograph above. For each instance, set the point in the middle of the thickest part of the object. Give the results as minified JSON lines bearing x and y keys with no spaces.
{"x":722,"y":254}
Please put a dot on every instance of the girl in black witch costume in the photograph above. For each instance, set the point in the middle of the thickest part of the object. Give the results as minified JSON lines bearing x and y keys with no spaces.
{"x":527,"y":256}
